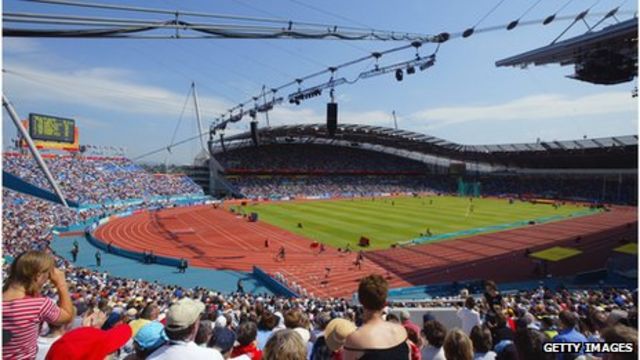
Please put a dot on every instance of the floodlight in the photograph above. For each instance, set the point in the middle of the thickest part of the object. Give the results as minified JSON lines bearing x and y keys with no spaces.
{"x":399,"y":75}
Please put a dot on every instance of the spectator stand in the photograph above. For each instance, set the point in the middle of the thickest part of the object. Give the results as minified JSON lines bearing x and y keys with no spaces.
{"x":184,"y":200}
{"x":447,"y":293}
{"x":13,"y":182}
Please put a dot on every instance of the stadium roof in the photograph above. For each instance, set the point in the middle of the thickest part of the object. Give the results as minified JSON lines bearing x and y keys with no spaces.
{"x":582,"y":144}
{"x":608,"y":56}
{"x":379,"y":134}
{"x":609,"y":152}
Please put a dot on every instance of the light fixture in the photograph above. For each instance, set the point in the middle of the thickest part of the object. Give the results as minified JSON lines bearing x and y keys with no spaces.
{"x":549,"y":19}
{"x":236,"y":118}
{"x":442,"y":37}
{"x":422,"y":63}
{"x":301,"y":95}
{"x":399,"y":75}
{"x":427,"y":64}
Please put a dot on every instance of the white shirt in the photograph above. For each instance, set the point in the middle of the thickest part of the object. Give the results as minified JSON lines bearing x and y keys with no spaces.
{"x":180,"y":350}
{"x":490,"y":355}
{"x":44,"y":344}
{"x":470,"y":318}
{"x":432,"y":353}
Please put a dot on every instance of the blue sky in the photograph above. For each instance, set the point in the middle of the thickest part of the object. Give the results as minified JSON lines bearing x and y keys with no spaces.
{"x":130,"y":93}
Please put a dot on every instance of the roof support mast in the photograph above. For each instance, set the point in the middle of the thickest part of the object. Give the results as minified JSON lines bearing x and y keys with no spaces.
{"x":198,"y":118}
{"x":34,"y":151}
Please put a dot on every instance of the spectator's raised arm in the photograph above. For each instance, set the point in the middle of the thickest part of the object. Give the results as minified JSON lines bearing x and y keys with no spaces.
{"x":66,"y":306}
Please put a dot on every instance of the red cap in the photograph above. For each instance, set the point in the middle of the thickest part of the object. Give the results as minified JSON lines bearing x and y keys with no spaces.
{"x":89,"y":343}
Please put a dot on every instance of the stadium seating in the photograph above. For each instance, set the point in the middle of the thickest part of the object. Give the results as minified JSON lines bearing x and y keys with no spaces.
{"x":98,"y":179}
{"x":315,"y":159}
{"x":104,"y":301}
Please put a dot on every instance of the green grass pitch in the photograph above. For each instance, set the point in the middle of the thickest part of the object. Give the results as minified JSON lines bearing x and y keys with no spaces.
{"x":386,"y":221}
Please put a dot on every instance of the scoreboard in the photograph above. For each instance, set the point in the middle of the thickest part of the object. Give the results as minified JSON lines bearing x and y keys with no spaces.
{"x":52,"y":128}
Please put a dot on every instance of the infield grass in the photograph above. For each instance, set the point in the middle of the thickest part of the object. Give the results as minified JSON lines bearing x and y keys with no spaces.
{"x":386,"y":221}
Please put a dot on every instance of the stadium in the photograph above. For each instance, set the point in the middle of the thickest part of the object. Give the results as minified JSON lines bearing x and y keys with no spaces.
{"x":303,"y":239}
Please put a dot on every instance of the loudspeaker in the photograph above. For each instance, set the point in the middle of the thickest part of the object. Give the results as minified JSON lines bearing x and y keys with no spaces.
{"x":332,"y":118}
{"x":255,"y":136}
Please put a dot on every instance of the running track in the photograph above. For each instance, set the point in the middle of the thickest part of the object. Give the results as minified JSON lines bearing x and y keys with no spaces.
{"x":215,"y":238}
{"x":221,"y":240}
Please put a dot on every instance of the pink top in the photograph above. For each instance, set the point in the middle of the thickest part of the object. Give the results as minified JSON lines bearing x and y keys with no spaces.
{"x":21,"y":320}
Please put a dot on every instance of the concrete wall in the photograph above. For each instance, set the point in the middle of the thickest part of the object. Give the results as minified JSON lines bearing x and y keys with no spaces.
{"x":446,"y":316}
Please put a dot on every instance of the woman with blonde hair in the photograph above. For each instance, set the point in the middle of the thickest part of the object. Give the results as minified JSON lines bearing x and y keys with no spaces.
{"x":458,"y":346}
{"x":24,"y":309}
{"x":285,"y":345}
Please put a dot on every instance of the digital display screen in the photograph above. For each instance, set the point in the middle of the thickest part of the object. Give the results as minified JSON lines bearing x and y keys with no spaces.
{"x":51,"y":128}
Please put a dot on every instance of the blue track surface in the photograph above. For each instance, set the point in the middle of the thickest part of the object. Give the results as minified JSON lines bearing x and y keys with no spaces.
{"x":216,"y":280}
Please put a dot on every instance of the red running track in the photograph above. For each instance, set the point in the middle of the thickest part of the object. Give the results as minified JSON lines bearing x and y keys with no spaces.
{"x":221,"y":240}
{"x":501,"y":256}
{"x":215,"y":238}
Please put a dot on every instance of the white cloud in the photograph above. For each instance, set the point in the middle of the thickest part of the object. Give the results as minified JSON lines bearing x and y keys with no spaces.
{"x":284,"y":115}
{"x":294,"y":115}
{"x":18,"y":46}
{"x":104,"y":88}
{"x":89,"y":122}
{"x":534,"y":107}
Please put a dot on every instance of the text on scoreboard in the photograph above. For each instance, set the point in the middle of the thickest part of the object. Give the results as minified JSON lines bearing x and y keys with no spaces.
{"x":51,"y":128}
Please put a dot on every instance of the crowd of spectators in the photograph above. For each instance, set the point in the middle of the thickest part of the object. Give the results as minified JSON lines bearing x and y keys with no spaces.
{"x":334,"y":186}
{"x":97,"y":315}
{"x":27,"y":222}
{"x":316,"y":158}
{"x":605,"y":189}
{"x":327,"y":165}
{"x":98,"y":179}
{"x":550,"y":187}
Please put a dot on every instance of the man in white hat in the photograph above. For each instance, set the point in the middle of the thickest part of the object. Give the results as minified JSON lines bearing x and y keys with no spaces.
{"x":183,"y":319}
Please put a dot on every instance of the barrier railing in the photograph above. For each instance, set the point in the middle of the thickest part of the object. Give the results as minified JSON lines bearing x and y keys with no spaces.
{"x":274,"y":285}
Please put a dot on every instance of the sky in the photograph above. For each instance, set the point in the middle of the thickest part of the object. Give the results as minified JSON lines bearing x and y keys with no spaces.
{"x":132,"y":93}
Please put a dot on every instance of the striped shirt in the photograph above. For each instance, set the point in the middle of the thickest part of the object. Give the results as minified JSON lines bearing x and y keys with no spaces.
{"x":21,"y":320}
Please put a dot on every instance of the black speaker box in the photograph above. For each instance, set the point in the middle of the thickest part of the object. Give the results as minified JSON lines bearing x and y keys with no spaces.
{"x":332,"y":118}
{"x":255,"y":136}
